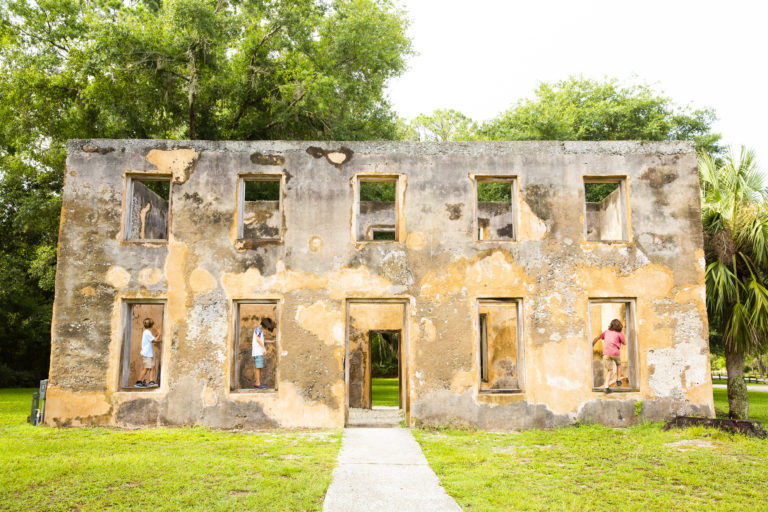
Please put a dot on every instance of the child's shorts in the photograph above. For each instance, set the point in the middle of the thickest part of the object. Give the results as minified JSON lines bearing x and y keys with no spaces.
{"x":258,"y":361}
{"x":149,"y":362}
{"x":611,"y":363}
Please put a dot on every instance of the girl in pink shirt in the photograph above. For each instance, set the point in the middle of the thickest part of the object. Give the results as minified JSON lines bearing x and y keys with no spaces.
{"x":613,"y":339}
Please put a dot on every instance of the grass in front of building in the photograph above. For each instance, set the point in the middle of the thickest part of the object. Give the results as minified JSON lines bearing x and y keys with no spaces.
{"x":158,"y":469}
{"x":758,"y":405}
{"x":598,"y":468}
{"x":385,"y":391}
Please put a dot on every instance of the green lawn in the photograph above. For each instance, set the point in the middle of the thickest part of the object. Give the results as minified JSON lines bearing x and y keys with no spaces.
{"x":597,"y":468}
{"x":724,"y":382}
{"x":758,"y":404}
{"x":158,"y":469}
{"x":385,"y":391}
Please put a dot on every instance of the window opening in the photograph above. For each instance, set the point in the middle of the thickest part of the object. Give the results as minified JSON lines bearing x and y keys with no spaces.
{"x":483,"y":347}
{"x":495,"y":209}
{"x":141,"y":361}
{"x":609,"y":370}
{"x":377,"y":213}
{"x":255,"y":367}
{"x":148,"y":211}
{"x":260,"y":209}
{"x":605,"y":218}
{"x":499,"y":345}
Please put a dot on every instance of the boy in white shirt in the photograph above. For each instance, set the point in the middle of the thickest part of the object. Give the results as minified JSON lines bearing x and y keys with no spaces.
{"x":148,"y":355}
{"x":258,"y":349}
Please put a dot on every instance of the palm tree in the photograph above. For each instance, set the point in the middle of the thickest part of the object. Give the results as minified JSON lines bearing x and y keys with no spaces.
{"x":735,"y":219}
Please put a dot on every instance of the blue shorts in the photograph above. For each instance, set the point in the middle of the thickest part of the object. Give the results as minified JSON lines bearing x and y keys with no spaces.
{"x":258,"y":361}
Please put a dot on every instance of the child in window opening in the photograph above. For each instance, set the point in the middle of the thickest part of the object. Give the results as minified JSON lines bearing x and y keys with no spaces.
{"x":148,"y":355}
{"x":613,"y":339}
{"x":258,"y":349}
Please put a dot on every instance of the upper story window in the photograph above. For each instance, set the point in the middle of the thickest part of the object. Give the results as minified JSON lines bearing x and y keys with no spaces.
{"x":260,"y":208}
{"x":377,"y":209}
{"x":147,"y":213}
{"x":495,"y":208}
{"x":605,"y":218}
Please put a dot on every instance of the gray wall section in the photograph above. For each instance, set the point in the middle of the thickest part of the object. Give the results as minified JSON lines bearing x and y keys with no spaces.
{"x":436,"y":265}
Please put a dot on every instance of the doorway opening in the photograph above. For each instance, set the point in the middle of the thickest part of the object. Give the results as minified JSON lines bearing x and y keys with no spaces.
{"x":384,"y":356}
{"x":375,"y":366}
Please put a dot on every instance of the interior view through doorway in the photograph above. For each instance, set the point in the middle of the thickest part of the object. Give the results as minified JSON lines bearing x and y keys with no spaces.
{"x":375,"y":369}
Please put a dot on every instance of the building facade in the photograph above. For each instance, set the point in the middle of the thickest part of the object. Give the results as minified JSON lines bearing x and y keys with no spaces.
{"x":490,"y":267}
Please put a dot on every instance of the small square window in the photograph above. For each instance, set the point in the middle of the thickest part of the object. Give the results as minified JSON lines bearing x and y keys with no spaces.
{"x":605,"y":217}
{"x":495,"y":209}
{"x":141,"y":357}
{"x":260,"y":208}
{"x":620,"y":373}
{"x":148,"y":209}
{"x":377,"y":210}
{"x":499,"y":346}
{"x":252,"y":318}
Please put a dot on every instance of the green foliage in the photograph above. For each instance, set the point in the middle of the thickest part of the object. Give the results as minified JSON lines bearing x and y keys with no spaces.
{"x":494,"y":191}
{"x":163,"y":469}
{"x":384,"y":353}
{"x":161,"y":188}
{"x":583,"y":109}
{"x":442,"y":125}
{"x":596,"y":192}
{"x":262,"y":190}
{"x":638,"y":408}
{"x":378,"y":191}
{"x":197,"y":69}
{"x":735,"y":220}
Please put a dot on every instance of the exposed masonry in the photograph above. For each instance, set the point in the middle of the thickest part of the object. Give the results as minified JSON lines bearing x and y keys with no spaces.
{"x":314,"y":258}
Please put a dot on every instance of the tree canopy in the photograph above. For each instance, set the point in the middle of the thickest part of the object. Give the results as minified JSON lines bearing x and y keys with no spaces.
{"x":167,"y":69}
{"x":583,"y":109}
{"x":735,"y":219}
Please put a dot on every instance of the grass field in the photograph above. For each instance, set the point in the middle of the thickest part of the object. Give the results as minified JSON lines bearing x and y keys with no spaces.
{"x":599,"y":468}
{"x":385,"y":391}
{"x":758,"y":405}
{"x":158,"y":469}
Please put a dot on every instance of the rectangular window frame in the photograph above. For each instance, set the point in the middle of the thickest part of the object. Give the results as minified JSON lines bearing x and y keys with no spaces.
{"x":482,"y":366}
{"x":626,"y":231}
{"x":398,"y":230}
{"x":485,"y":178}
{"x":241,"y":180}
{"x":234,"y":367}
{"x":632,"y":342}
{"x":124,"y":354}
{"x":130,"y":178}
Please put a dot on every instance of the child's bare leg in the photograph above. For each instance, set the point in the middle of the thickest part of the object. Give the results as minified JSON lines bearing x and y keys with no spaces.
{"x":143,"y":374}
{"x":608,"y":378}
{"x":258,"y":377}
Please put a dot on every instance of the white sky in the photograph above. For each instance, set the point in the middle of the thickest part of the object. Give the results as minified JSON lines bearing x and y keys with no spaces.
{"x":481,"y":56}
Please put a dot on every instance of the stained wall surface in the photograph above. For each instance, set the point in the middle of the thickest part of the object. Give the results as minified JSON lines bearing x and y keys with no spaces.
{"x":317,"y":268}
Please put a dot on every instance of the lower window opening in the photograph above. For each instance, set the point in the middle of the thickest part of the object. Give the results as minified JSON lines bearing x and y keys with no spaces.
{"x":141,"y":361}
{"x":255,"y":366}
{"x":499,"y":346}
{"x":613,"y":362}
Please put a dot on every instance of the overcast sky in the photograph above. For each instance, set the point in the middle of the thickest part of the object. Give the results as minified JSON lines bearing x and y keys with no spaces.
{"x":480,"y":56}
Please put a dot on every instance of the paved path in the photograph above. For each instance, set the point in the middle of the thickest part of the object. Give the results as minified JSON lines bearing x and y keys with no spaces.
{"x":384,"y":469}
{"x":753,"y":387}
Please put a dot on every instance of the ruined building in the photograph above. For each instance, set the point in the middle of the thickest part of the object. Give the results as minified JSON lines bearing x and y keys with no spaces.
{"x":490,"y":267}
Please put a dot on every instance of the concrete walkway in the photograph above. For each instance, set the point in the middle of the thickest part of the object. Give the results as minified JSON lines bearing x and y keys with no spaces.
{"x":752,"y":387}
{"x":384,"y":469}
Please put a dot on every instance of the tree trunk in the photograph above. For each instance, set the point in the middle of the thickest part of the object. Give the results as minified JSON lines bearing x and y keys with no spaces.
{"x":738,"y":400}
{"x":192,"y":92}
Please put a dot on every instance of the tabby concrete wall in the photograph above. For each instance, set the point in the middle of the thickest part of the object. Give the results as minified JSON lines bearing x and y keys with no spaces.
{"x":435,"y":266}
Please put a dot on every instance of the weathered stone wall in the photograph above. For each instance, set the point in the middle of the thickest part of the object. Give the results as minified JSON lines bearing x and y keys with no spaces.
{"x":435,"y":266}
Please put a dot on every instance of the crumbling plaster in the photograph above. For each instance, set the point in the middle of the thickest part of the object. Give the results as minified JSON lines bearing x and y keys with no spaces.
{"x":434,"y":265}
